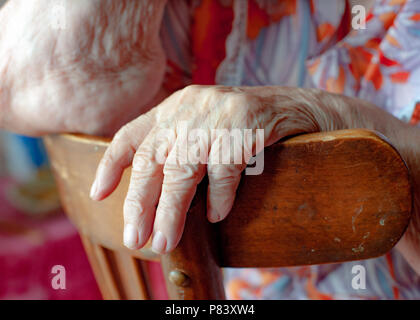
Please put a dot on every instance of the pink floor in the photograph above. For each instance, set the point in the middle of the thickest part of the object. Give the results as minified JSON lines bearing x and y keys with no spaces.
{"x":30,"y":247}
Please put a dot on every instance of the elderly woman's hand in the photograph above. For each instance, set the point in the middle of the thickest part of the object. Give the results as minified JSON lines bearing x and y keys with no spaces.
{"x":78,"y":66}
{"x":164,"y":179}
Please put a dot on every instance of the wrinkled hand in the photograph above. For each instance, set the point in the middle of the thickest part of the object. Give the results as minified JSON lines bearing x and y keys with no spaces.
{"x":154,"y":142}
{"x":78,"y":66}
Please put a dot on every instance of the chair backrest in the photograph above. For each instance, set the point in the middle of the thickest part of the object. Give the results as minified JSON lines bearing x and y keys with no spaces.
{"x":322,"y":197}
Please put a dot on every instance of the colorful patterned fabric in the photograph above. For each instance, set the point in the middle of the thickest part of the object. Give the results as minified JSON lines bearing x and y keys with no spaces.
{"x":307,"y":43}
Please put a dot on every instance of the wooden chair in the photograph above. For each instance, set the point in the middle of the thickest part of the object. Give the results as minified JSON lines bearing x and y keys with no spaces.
{"x":323,"y":197}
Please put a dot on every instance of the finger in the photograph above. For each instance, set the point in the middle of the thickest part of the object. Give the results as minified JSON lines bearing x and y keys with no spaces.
{"x":119,"y":155}
{"x":224,"y":169}
{"x":178,"y":189}
{"x":144,"y":189}
{"x":223,"y":183}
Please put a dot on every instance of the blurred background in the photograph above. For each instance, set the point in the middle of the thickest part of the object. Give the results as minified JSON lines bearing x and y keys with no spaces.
{"x":35,"y":235}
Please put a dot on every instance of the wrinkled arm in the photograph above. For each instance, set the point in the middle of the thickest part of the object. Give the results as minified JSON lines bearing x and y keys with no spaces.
{"x":79,"y":66}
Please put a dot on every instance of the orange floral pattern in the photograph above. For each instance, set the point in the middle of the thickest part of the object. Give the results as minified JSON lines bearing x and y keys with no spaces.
{"x":378,"y":62}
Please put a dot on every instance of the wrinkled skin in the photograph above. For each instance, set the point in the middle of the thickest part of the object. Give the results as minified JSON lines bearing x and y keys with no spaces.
{"x":105,"y":68}
{"x":92,"y":75}
{"x":157,"y":180}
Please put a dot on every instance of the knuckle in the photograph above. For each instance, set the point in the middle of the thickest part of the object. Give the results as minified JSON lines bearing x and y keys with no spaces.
{"x":244,"y":107}
{"x":233,"y":103}
{"x":214,"y":90}
{"x":237,"y":100}
{"x":144,"y":156}
{"x":223,"y":181}
{"x":142,"y":162}
{"x":223,"y":172}
{"x":188,"y":91}
{"x":165,"y":135}
{"x":133,"y":208}
{"x":193,"y":88}
{"x":144,"y":166}
{"x":176,"y":173}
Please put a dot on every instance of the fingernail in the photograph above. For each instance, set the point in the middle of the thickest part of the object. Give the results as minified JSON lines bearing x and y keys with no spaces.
{"x":159,"y":243}
{"x":130,"y":236}
{"x":94,"y":189}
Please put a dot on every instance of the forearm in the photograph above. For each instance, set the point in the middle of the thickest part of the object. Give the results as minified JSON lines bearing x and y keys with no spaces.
{"x":133,"y":25}
{"x":97,"y":69}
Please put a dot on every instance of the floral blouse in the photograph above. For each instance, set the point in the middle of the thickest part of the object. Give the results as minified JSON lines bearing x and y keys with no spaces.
{"x":306,"y":43}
